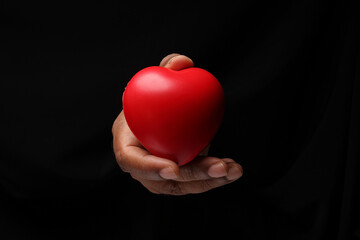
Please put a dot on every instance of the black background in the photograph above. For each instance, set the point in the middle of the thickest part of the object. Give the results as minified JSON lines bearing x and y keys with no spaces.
{"x":290,"y":73}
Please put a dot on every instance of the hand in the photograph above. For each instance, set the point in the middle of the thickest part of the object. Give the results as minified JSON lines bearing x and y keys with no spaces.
{"x":163,"y":176}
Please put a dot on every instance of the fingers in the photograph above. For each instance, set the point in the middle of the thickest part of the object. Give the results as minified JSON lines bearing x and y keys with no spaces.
{"x":182,"y":188}
{"x":140,"y":163}
{"x":201,"y":176}
{"x":176,"y":62}
{"x":235,"y":169}
{"x":205,"y":168}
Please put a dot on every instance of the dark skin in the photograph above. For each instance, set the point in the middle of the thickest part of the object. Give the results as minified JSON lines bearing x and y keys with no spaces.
{"x":163,"y":176}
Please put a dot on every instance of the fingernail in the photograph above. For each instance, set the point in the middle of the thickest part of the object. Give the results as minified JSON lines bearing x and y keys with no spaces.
{"x":168,"y":173}
{"x":171,"y":59}
{"x":234,"y":173}
{"x":217,"y":170}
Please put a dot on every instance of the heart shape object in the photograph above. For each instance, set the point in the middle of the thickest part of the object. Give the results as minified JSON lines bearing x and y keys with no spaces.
{"x":174,"y":114}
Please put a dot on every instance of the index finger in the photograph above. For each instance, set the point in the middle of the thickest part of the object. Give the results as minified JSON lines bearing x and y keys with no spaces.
{"x":143,"y":165}
{"x":207,"y":168}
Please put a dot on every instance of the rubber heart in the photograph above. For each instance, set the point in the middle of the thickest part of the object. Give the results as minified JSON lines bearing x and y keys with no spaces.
{"x":174,"y":114}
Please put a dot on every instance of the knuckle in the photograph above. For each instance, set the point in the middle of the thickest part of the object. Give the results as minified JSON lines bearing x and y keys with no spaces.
{"x":206,"y":185}
{"x":188,"y":173}
{"x":174,"y":188}
{"x":167,"y":188}
{"x":121,"y":161}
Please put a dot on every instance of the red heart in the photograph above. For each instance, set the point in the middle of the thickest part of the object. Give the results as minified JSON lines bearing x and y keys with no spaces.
{"x":174,"y":114}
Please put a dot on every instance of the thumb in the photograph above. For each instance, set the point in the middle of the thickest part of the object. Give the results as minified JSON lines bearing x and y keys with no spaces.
{"x":176,"y":62}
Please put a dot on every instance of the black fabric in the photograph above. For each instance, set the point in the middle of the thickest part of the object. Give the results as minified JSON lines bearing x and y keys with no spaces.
{"x":290,"y":73}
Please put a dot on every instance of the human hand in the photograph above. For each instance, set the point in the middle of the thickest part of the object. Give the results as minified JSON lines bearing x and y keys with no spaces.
{"x":163,"y":176}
